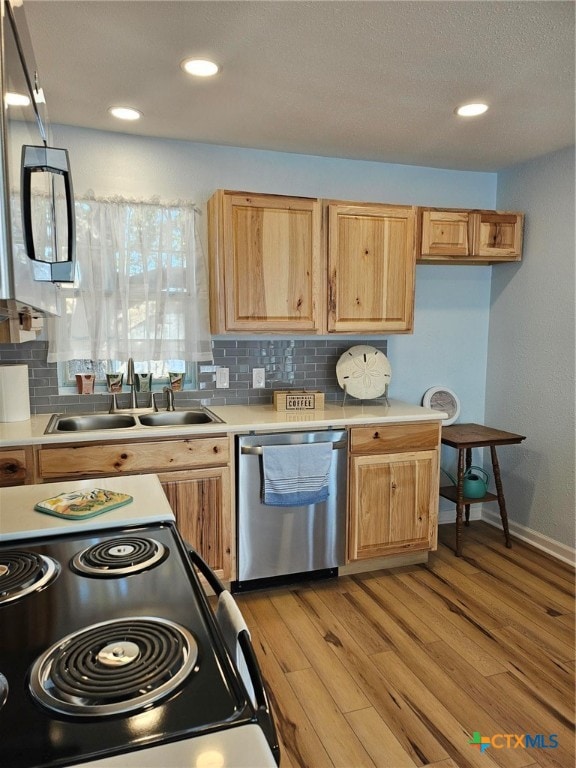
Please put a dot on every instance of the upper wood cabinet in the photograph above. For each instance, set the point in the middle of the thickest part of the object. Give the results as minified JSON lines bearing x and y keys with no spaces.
{"x":371,"y":267}
{"x":292,"y":264}
{"x":450,"y":236}
{"x":265,"y":263}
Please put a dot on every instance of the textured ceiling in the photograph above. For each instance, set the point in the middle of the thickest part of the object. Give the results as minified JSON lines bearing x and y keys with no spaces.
{"x":366,"y":80}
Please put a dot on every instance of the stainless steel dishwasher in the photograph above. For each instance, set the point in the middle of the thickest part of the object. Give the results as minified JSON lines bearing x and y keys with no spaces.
{"x":276,"y":542}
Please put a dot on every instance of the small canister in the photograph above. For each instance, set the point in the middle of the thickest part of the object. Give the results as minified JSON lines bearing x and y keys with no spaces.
{"x":114,"y":381}
{"x":85,"y":383}
{"x":176,"y":381}
{"x":143,"y":382}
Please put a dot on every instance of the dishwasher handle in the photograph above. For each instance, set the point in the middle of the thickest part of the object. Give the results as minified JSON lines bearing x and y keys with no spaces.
{"x":257,"y":450}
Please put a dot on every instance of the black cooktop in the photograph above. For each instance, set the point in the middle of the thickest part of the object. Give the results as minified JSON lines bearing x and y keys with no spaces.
{"x":116,"y":650}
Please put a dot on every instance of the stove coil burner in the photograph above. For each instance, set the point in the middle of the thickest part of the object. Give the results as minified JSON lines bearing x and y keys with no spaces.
{"x":23,"y":572}
{"x":114,"y":667}
{"x":119,"y":557}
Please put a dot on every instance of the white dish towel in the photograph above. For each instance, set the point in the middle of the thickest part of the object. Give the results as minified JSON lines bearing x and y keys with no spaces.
{"x":296,"y":475}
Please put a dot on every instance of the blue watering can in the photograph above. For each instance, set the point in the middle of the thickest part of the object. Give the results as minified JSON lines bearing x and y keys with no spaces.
{"x":474,"y":486}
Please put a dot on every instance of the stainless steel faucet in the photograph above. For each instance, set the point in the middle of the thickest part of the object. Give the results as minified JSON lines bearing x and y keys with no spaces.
{"x":131,"y":382}
{"x":169,"y":399}
{"x":169,"y":392}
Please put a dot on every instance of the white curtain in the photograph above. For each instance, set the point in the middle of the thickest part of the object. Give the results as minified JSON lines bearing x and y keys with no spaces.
{"x":141,"y":287}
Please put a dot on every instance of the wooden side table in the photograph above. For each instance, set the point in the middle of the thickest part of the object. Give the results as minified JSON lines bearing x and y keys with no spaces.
{"x":464,"y":437}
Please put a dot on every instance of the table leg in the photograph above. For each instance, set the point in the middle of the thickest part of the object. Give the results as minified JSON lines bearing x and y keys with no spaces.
{"x":459,"y":502}
{"x":468,"y":465}
{"x":500,"y":492}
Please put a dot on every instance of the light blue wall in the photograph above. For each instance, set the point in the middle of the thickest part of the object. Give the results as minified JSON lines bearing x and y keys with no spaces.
{"x":530,"y":372}
{"x":114,"y":163}
{"x":449,"y":344}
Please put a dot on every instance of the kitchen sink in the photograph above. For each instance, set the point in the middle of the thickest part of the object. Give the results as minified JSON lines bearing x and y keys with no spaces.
{"x":176,"y":418}
{"x":95,"y":422}
{"x":91,"y":422}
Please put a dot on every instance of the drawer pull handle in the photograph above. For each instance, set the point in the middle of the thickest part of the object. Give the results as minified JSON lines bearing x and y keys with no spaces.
{"x":376,"y":435}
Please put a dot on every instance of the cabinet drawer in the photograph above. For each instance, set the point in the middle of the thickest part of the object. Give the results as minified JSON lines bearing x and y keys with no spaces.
{"x":395,"y":437}
{"x":117,"y":458}
{"x":12,"y":468}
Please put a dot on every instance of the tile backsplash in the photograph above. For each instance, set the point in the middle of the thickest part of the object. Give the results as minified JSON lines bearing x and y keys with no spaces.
{"x":288,"y":364}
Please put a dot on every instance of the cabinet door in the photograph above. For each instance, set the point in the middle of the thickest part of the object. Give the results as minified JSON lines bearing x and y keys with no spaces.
{"x":446,"y":233}
{"x":498,"y":236}
{"x":200,"y":500}
{"x":371,"y":263}
{"x":266,"y":271}
{"x":393,"y":504}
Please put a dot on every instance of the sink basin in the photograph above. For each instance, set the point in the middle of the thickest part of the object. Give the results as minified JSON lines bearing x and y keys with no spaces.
{"x":98,"y":421}
{"x":91,"y":422}
{"x":176,"y":418}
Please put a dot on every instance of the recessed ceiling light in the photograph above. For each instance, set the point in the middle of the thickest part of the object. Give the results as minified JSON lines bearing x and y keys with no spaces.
{"x":125,"y":113}
{"x":471,"y":110}
{"x":16,"y":99}
{"x":200,"y":67}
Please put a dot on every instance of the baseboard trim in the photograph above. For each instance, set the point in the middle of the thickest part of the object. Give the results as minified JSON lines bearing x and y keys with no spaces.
{"x":539,"y":540}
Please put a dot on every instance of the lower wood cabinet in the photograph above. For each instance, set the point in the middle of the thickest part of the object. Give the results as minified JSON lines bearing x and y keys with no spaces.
{"x":201,"y":501}
{"x":393,"y":489}
{"x":16,"y":467}
{"x":195,"y":474}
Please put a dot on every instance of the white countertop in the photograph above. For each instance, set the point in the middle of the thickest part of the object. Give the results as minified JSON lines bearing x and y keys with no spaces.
{"x":19,"y":519}
{"x":236,"y":418}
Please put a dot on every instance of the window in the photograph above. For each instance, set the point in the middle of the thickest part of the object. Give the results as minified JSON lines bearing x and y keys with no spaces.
{"x":141,"y":291}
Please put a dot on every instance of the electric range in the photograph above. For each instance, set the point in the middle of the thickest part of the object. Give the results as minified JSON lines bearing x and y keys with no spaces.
{"x":109,"y":645}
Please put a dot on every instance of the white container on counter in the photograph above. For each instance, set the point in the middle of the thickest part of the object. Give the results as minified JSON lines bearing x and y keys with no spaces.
{"x":14,"y":393}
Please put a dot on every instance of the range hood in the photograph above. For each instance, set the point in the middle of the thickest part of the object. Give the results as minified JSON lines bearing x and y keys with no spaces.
{"x":37,"y":232}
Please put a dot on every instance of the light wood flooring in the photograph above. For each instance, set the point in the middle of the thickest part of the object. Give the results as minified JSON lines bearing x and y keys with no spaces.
{"x":399,"y":668}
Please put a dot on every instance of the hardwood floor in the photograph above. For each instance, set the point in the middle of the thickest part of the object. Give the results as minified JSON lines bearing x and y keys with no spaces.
{"x":401,"y":668}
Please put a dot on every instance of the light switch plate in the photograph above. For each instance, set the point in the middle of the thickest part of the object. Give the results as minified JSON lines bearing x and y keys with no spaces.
{"x":258,"y":378}
{"x":222,"y":378}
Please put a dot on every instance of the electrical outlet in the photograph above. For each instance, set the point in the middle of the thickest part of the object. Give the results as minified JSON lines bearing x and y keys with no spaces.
{"x":258,"y":378}
{"x":222,"y":378}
